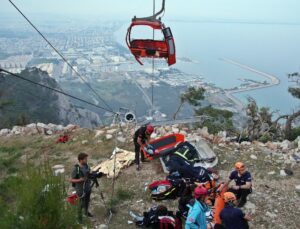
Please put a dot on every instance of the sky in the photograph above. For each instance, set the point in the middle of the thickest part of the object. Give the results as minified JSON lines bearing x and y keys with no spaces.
{"x":285,"y":11}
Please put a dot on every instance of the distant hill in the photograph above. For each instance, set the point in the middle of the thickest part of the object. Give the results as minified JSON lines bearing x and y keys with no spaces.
{"x":22,"y":102}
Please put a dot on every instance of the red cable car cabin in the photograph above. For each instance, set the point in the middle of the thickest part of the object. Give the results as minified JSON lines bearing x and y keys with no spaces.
{"x":148,"y":48}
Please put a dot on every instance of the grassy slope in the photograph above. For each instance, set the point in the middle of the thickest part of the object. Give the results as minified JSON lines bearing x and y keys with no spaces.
{"x":271,"y":192}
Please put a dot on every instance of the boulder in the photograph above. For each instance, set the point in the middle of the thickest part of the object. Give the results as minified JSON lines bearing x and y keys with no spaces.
{"x":271,"y":173}
{"x":58,"y":169}
{"x":252,"y":156}
{"x":32,"y":125}
{"x":245,"y":143}
{"x":271,"y":145}
{"x":84,"y":142}
{"x":17,"y":130}
{"x":283,"y":173}
{"x":121,"y":139}
{"x":271,"y":215}
{"x":183,"y":132}
{"x":285,"y":145}
{"x":5,"y":132}
{"x":99,"y":133}
{"x":108,"y":136}
{"x":175,"y":130}
{"x":49,"y":132}
{"x":70,"y":127}
{"x":102,"y":226}
{"x":41,"y":127}
{"x":111,"y":131}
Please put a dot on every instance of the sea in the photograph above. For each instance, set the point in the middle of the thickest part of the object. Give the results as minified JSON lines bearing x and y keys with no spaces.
{"x":267,"y":47}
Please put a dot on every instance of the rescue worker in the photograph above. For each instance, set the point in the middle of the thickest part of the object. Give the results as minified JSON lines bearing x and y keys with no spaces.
{"x":141,"y":137}
{"x":81,"y":183}
{"x":233,"y":218}
{"x":196,"y":217}
{"x":243,"y":183}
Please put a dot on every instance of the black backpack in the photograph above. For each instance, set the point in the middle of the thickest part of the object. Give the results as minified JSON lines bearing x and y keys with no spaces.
{"x":78,"y":172}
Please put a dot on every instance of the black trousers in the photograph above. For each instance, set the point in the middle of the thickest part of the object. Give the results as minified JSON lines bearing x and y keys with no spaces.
{"x":241,"y":194}
{"x":85,"y":202}
{"x":137,"y":149}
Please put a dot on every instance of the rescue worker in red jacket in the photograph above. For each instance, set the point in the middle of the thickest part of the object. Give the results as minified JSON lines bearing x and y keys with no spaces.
{"x":141,"y":137}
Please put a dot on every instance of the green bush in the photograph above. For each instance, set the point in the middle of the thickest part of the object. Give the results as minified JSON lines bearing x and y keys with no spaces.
{"x":265,"y":138}
{"x":295,"y":132}
{"x":219,"y":120}
{"x":36,"y":199}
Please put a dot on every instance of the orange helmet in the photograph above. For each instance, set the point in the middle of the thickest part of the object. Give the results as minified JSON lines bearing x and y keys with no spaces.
{"x":239,"y":166}
{"x":229,"y":197}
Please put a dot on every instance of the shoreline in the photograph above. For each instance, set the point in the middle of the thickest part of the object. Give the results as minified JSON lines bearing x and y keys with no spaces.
{"x":274,"y":81}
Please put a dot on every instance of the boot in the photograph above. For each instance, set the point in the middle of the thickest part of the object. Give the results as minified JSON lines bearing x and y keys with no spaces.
{"x":135,"y":217}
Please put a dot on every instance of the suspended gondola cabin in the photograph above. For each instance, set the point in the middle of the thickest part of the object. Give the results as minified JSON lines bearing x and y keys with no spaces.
{"x":152,"y":48}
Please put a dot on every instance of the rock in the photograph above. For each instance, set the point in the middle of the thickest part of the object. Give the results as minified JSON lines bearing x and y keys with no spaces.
{"x":282,"y":173}
{"x":250,"y":206}
{"x":121,"y":139}
{"x":297,"y":187}
{"x":17,"y":130}
{"x":108,"y":136}
{"x":183,"y":132}
{"x":99,"y":133}
{"x":111,"y":131}
{"x":271,"y":173}
{"x":49,"y":132}
{"x":222,"y":134}
{"x":5,"y":132}
{"x":245,"y":143}
{"x":70,"y":127}
{"x":252,"y":156}
{"x":285,"y":145}
{"x":175,"y":130}
{"x":42,"y":128}
{"x":271,"y":146}
{"x":294,"y":157}
{"x":31,"y":125}
{"x":84,"y":142}
{"x":271,"y":215}
{"x":58,"y":169}
{"x":102,"y":226}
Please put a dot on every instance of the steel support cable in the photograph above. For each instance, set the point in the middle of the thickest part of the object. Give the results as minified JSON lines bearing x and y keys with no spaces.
{"x":64,"y":59}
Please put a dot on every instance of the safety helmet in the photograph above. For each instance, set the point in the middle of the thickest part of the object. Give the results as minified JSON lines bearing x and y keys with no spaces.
{"x":200,"y":191}
{"x":229,"y":197}
{"x":149,"y":129}
{"x":239,"y":166}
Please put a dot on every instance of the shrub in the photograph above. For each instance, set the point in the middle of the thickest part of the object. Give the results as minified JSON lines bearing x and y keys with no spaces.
{"x":37,"y":200}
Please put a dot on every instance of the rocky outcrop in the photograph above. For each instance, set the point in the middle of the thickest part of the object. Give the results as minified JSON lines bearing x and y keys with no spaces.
{"x":38,"y":128}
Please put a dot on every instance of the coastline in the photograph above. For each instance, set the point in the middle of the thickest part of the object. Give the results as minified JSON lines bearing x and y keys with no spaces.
{"x":273,"y":81}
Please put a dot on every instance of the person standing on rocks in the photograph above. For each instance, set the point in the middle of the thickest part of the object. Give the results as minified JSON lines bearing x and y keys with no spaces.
{"x":243,"y":183}
{"x":140,"y":138}
{"x":233,"y":218}
{"x":81,"y":183}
